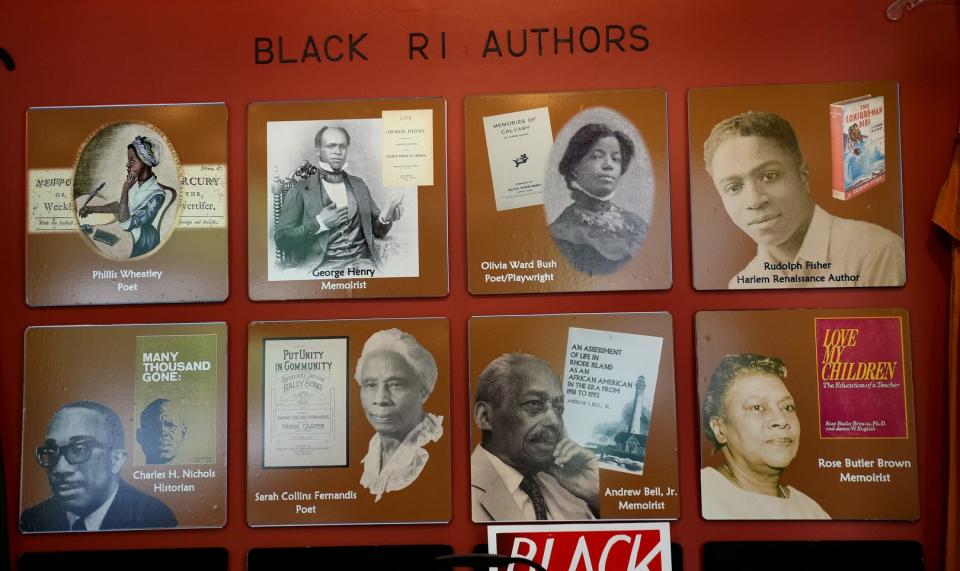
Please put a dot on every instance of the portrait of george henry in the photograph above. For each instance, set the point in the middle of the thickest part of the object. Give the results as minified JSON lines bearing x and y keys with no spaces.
{"x":599,"y":193}
{"x":330,"y":215}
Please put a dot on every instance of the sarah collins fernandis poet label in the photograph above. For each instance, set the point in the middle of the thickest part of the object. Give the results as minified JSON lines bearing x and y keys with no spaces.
{"x":305,"y":402}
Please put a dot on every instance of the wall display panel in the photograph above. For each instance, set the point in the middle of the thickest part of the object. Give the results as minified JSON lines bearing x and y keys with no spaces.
{"x":393,"y":557}
{"x":584,"y":403}
{"x":803,"y":555}
{"x":349,"y":422}
{"x":347,"y":199}
{"x":126,"y":204}
{"x":800,"y":184}
{"x":188,"y":52}
{"x":841,"y":379}
{"x":124,"y":427}
{"x":194,"y":559}
{"x":567,"y":192}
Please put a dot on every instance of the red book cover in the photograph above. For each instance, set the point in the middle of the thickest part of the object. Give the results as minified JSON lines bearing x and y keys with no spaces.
{"x":860,"y":378}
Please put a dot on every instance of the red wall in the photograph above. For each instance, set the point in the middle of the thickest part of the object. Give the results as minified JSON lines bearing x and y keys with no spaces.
{"x":111,"y":52}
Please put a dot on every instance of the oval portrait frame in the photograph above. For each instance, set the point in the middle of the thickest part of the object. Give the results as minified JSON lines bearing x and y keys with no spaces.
{"x":98,"y":164}
{"x":637,"y":184}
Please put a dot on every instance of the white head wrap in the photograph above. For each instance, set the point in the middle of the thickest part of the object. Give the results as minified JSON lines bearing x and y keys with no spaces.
{"x":405,"y":345}
{"x":148,"y":150}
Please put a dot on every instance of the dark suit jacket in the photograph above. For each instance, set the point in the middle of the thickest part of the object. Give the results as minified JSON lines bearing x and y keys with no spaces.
{"x":131,"y":509}
{"x":491,"y":501}
{"x":297,"y":227}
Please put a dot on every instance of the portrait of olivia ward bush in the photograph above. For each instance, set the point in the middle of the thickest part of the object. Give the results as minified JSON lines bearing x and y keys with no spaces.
{"x":598,"y":195}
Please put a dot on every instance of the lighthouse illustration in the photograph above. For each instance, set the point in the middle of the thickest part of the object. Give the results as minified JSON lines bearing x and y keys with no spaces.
{"x":632,"y":442}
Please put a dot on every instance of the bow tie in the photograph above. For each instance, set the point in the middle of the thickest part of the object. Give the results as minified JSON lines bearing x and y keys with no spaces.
{"x":331,"y":177}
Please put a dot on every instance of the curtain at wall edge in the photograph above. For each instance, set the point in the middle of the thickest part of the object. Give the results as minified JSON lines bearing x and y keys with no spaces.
{"x":947,"y":216}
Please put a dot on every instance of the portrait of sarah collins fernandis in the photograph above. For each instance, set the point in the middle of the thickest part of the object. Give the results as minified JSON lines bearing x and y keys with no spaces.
{"x":599,"y":191}
{"x":126,"y":190}
{"x":396,"y":375}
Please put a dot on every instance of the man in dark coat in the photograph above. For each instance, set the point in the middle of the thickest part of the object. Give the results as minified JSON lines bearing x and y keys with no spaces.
{"x":83,"y":455}
{"x":332,"y":219}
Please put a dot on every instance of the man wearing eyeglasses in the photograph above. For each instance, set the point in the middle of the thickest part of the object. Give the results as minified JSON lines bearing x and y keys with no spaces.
{"x":83,"y":454}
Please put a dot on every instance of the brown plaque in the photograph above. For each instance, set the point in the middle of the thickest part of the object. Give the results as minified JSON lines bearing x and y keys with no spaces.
{"x":124,"y":427}
{"x":803,"y":188}
{"x":807,"y":414}
{"x":583,"y":406}
{"x":348,"y":422}
{"x":568,"y":192}
{"x":126,"y":204}
{"x":347,"y":199}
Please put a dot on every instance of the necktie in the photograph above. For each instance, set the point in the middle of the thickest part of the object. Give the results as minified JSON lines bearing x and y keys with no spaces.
{"x":532,"y":489}
{"x":78,"y":525}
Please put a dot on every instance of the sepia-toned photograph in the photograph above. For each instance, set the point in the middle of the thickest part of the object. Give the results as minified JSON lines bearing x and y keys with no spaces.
{"x":599,"y":191}
{"x":330,"y":216}
{"x":770,"y":174}
{"x":743,"y":392}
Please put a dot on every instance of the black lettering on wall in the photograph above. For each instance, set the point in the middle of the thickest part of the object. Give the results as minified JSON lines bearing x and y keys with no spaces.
{"x":417,"y":42}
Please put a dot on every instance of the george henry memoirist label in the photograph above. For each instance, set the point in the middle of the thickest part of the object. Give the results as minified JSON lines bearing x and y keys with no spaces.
{"x":305,"y":402}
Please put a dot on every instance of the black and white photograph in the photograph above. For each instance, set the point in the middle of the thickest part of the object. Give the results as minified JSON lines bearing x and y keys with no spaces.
{"x":330,"y":216}
{"x":396,"y":375}
{"x":83,"y":453}
{"x":525,"y":467}
{"x":599,"y":191}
